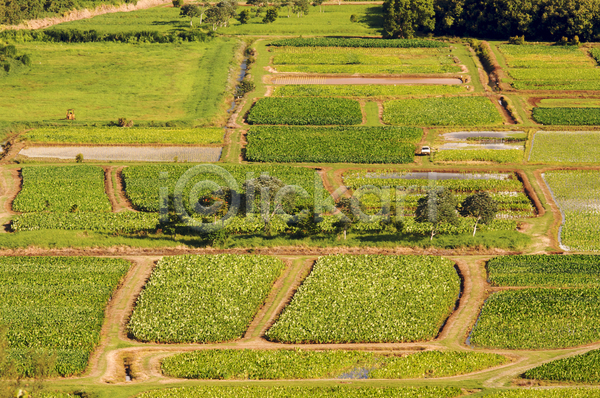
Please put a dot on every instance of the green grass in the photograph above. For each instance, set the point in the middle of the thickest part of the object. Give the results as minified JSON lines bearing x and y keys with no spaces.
{"x":549,"y":393}
{"x":479,"y":155}
{"x":332,"y":145}
{"x":299,"y":364}
{"x":449,"y":111}
{"x":364,"y":91}
{"x":370,"y":298}
{"x":566,"y":147}
{"x":538,"y":319}
{"x":202,"y":298}
{"x":371,"y":69}
{"x":104,"y":81}
{"x":119,"y":135}
{"x":569,"y":103}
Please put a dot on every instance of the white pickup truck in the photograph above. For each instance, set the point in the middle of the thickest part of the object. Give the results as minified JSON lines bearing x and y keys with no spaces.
{"x":425,"y":150}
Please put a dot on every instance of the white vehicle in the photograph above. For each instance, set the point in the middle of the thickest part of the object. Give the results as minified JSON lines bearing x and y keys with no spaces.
{"x":425,"y":150}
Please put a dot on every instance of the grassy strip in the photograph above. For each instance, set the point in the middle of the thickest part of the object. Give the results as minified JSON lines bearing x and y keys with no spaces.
{"x":364,"y":91}
{"x":370,"y":298}
{"x":332,"y":145}
{"x":549,"y":393}
{"x":299,"y":364}
{"x":449,"y":111}
{"x":479,"y":155}
{"x":118,"y":135}
{"x":180,"y":304}
{"x":349,"y":42}
{"x":371,"y":69}
{"x":545,"y":271}
{"x":305,"y":111}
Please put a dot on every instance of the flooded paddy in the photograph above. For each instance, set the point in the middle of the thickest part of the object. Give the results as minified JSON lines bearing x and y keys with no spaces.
{"x":126,"y":153}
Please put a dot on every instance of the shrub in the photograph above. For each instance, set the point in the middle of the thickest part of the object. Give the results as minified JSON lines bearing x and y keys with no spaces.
{"x":177,"y":3}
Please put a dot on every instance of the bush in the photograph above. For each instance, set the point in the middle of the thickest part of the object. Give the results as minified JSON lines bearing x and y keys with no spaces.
{"x":270,"y":16}
{"x":79,"y":158}
{"x":177,"y":3}
{"x":517,"y":40}
{"x":353,"y":18}
{"x":244,"y":16}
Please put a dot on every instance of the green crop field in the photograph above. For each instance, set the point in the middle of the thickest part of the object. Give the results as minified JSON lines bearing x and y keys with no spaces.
{"x":545,"y":271}
{"x":332,"y":145}
{"x":538,"y":319}
{"x":566,"y":147}
{"x":299,"y":364}
{"x":62,"y":189}
{"x":184,"y":83}
{"x":578,"y":369}
{"x":577,"y":194}
{"x":364,"y":91}
{"x":180,"y":302}
{"x":479,"y":155}
{"x":123,"y":222}
{"x":56,"y":305}
{"x":370,"y":299}
{"x":305,"y":392}
{"x":305,"y":111}
{"x":449,"y":111}
{"x":119,"y":135}
{"x":567,"y":116}
{"x":554,"y":393}
{"x":367,"y":69}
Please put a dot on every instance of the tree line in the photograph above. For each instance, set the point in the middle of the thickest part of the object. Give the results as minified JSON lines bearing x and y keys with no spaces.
{"x":546,"y":20}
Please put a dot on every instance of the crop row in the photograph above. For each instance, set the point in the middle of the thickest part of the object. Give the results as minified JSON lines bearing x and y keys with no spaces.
{"x":353,"y":68}
{"x":577,"y":193}
{"x":567,"y":116}
{"x":557,"y":85}
{"x":201,"y":299}
{"x":62,"y":189}
{"x":364,"y":91}
{"x":538,"y":319}
{"x":56,"y":304}
{"x":119,"y":135}
{"x":545,"y":271}
{"x":346,"y":42}
{"x":332,"y":145}
{"x":305,"y":111}
{"x":299,"y":364}
{"x":123,"y":222}
{"x":479,"y":155}
{"x":566,"y":147}
{"x":358,"y":58}
{"x":448,"y":111}
{"x":400,"y":53}
{"x":370,"y":299}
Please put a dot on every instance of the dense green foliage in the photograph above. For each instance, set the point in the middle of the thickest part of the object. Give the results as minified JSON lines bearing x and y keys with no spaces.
{"x":56,"y":304}
{"x":567,"y":116}
{"x":202,"y":299}
{"x":351,"y":69}
{"x":403,"y":18}
{"x":370,"y":298}
{"x":545,"y":271}
{"x":332,"y":144}
{"x":299,"y":364}
{"x":566,"y":147}
{"x":449,"y":111}
{"x":305,"y":392}
{"x":549,"y":393}
{"x":577,"y":193}
{"x":584,"y":368}
{"x":62,"y":189}
{"x":479,"y":155}
{"x":305,"y":111}
{"x":538,"y":319}
{"x":94,"y":36}
{"x":119,"y":135}
{"x":362,"y":91}
{"x":123,"y":222}
{"x":349,"y":42}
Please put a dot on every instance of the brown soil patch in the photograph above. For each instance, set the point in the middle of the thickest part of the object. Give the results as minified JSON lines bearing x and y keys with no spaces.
{"x":380,"y":109}
{"x":125,"y":202}
{"x":363,"y":112}
{"x":108,"y":188}
{"x":508,"y":119}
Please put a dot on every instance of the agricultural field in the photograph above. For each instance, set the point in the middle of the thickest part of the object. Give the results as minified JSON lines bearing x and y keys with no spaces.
{"x":332,"y":144}
{"x":577,"y":369}
{"x":370,"y":298}
{"x":55,"y":305}
{"x":365,"y":91}
{"x":300,"y":364}
{"x":306,"y":111}
{"x":565,"y":147}
{"x":119,"y":135}
{"x":545,"y":393}
{"x":444,"y":111}
{"x":202,"y":299}
{"x":124,"y":222}
{"x":480,"y":146}
{"x":187,"y":96}
{"x":62,"y":189}
{"x":545,"y":270}
{"x":538,"y":319}
{"x":305,"y":392}
{"x":479,"y":155}
{"x":577,"y":194}
{"x":566,"y":116}
{"x":545,"y":67}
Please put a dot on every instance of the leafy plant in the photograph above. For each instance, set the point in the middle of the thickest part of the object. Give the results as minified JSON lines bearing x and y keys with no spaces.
{"x":305,"y":111}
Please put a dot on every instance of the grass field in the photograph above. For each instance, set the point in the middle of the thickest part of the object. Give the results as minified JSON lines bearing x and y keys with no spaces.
{"x":566,"y":147}
{"x":104,"y":81}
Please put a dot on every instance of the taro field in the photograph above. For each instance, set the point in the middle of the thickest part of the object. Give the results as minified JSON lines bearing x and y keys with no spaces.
{"x":577,"y":194}
{"x":566,"y":147}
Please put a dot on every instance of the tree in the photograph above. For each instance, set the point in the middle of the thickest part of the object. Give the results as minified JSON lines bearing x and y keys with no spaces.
{"x":271,"y":15}
{"x":402,"y":18}
{"x":438,"y":206}
{"x":220,"y":14}
{"x":177,"y":3}
{"x":244,"y":17}
{"x":318,"y":3}
{"x":448,"y":14}
{"x":300,"y":7}
{"x":481,"y":206}
{"x":191,"y":11}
